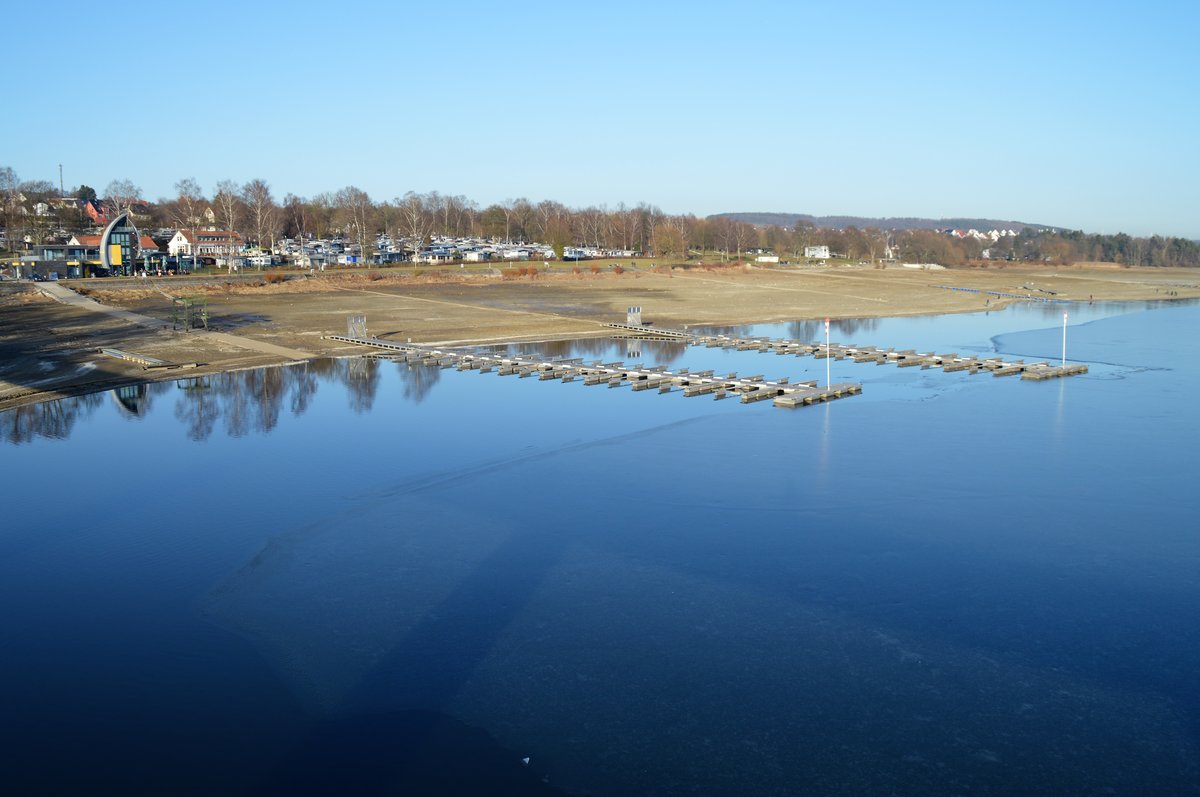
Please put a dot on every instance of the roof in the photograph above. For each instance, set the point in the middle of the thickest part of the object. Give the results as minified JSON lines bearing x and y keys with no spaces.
{"x":188,"y":234}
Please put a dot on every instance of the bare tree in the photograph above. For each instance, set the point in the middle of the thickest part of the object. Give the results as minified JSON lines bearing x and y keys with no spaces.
{"x":356,"y":210}
{"x":229,"y":212}
{"x":296,"y":216}
{"x":263,"y":213}
{"x":189,"y":204}
{"x":523,"y":214}
{"x":119,"y":196}
{"x":742,"y":234}
{"x":415,"y":219}
{"x":10,"y":203}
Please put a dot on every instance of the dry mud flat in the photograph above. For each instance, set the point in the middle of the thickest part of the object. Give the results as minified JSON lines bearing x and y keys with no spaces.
{"x":48,"y":349}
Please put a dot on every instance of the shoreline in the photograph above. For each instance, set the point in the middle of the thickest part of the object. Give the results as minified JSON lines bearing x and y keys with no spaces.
{"x":48,"y":346}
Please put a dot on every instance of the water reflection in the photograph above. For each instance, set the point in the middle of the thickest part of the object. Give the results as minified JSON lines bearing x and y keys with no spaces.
{"x":807,"y":331}
{"x":657,"y":352}
{"x":418,"y":380}
{"x":238,"y":402}
{"x":132,"y":401}
{"x":50,"y":419}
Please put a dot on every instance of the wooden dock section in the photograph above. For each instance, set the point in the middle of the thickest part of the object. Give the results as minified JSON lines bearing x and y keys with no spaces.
{"x":1044,"y":371}
{"x":749,"y":389}
{"x":147,"y":362}
{"x":650,"y":331}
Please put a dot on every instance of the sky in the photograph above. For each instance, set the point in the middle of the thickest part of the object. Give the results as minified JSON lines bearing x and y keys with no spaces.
{"x":1072,"y":114}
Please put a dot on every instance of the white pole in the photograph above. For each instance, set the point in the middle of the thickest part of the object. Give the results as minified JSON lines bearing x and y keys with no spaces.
{"x":826,"y":353}
{"x":1064,"y":357}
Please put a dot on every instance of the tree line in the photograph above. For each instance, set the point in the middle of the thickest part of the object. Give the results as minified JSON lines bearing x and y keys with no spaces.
{"x":252,"y":210}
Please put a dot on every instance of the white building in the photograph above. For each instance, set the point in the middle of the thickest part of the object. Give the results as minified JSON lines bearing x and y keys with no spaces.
{"x":817,"y":252}
{"x":204,"y":242}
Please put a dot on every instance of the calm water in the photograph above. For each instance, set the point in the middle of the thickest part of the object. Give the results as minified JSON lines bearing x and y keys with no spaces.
{"x":403,"y":580}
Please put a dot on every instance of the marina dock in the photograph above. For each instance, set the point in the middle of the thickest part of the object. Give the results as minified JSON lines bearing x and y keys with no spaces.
{"x":782,"y":392}
{"x":903,"y":358}
{"x":749,"y":389}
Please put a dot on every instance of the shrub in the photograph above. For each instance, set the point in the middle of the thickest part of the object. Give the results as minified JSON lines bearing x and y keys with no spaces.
{"x":595,"y":269}
{"x":374,"y":276}
{"x":274,"y":277}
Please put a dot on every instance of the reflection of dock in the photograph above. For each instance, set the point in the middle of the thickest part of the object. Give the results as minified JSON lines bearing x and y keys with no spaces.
{"x":904,"y":358}
{"x":748,"y":388}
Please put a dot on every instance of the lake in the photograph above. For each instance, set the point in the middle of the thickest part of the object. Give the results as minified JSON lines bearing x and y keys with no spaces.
{"x":356,"y":576}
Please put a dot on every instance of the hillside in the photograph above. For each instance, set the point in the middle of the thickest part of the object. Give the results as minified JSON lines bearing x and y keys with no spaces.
{"x":891,"y":223}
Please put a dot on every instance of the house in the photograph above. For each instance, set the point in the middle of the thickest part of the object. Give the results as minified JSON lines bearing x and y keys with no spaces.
{"x":311,"y":259}
{"x":94,"y":212}
{"x":817,"y":252}
{"x":204,"y":242}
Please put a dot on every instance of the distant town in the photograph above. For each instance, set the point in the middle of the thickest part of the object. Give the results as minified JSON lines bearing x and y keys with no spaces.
{"x":49,"y":232}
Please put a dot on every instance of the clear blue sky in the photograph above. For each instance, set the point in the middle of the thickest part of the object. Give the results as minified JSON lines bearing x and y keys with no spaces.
{"x":1076,"y":114}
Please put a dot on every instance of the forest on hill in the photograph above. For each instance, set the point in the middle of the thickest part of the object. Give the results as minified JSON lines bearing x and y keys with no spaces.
{"x":887,"y":223}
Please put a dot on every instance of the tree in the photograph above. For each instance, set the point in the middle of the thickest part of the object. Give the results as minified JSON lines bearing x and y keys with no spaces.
{"x":295,"y":215}
{"x":263,"y":213}
{"x":355,"y":211}
{"x":85,"y":193}
{"x":415,"y":219}
{"x":188,"y":207}
{"x":41,"y":216}
{"x":229,"y":212}
{"x":10,"y":203}
{"x":119,"y":197}
{"x":742,"y":235}
{"x":667,"y":241}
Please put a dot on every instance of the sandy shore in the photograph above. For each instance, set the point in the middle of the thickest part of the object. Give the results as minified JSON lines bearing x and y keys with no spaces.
{"x":48,"y":348}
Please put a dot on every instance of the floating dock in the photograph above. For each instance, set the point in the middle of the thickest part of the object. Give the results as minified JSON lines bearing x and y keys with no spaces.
{"x":903,"y":358}
{"x":782,"y":392}
{"x":749,"y":389}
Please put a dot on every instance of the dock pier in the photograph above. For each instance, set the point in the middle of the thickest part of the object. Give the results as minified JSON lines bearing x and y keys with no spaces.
{"x":905,"y":358}
{"x":616,"y":374}
{"x":782,"y":392}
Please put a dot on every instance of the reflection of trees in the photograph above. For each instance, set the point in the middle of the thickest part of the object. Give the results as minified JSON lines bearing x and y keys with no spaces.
{"x":360,"y":375}
{"x":198,"y":407}
{"x":653,"y":351}
{"x":51,"y":419}
{"x":813,"y":331}
{"x":418,"y":380}
{"x":247,"y":401}
{"x":731,"y":331}
{"x":302,"y":387}
{"x":242,"y":402}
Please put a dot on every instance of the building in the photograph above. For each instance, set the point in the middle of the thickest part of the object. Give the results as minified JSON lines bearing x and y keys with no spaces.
{"x":120,"y":246}
{"x":817,"y":252}
{"x":204,"y":243}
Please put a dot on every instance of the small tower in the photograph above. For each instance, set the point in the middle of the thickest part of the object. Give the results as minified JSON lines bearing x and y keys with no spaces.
{"x":633,"y":316}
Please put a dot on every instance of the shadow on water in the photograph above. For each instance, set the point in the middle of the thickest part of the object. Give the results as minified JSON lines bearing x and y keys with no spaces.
{"x":403,"y":753}
{"x":419,"y":749}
